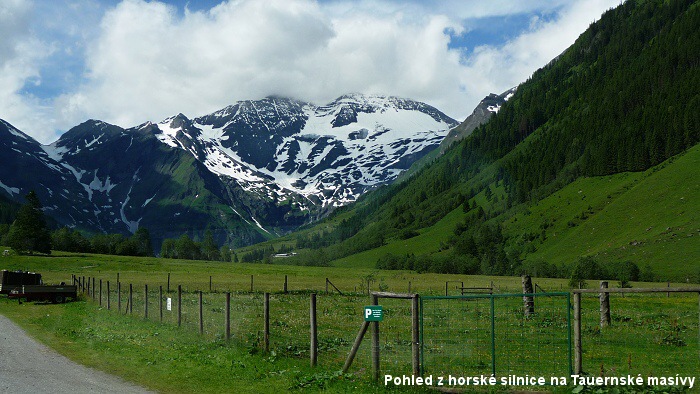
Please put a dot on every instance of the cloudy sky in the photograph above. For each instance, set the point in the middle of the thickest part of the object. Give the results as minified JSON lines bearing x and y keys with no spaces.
{"x":126,"y":62}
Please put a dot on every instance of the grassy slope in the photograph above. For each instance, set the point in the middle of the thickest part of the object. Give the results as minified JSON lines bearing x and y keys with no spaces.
{"x":427,"y":242}
{"x":648,"y":217}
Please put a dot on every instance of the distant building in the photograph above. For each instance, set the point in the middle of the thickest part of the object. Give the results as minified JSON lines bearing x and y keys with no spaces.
{"x":284,"y":255}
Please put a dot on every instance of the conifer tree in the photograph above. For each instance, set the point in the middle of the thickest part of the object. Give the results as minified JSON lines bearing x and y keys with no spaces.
{"x":209,"y":247}
{"x":28,"y":233}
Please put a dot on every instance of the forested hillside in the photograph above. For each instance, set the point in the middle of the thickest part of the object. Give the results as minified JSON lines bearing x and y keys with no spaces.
{"x":624,"y":97}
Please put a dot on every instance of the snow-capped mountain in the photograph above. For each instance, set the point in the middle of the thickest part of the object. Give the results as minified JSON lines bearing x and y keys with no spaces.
{"x":247,"y":172}
{"x":328,"y":154}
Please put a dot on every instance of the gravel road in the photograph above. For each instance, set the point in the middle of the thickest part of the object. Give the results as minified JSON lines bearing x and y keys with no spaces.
{"x":27,"y":366}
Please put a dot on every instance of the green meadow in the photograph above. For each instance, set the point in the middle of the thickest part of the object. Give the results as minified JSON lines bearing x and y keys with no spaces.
{"x":651,"y":334}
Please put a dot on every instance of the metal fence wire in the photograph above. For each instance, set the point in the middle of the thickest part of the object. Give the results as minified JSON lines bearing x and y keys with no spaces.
{"x":489,"y":334}
{"x":395,"y":345}
{"x":653,"y":334}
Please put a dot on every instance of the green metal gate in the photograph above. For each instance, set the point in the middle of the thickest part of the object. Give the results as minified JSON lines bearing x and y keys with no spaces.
{"x":489,"y":334}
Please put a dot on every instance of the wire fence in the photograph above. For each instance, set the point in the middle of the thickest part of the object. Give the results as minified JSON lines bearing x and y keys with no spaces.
{"x":493,"y":335}
{"x":468,"y":335}
{"x":653,"y":334}
{"x":395,"y":339}
{"x":288,"y":327}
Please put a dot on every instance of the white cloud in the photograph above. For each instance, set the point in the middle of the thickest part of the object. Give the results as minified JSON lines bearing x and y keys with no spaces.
{"x":146,"y":61}
{"x":20,"y":53}
{"x":496,"y":69}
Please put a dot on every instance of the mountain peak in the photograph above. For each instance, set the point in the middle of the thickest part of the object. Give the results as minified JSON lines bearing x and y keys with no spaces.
{"x":180,"y":121}
{"x":489,"y":106}
{"x":90,"y":130}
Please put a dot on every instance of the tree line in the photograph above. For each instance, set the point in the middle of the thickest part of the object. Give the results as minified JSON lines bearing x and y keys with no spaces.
{"x":186,"y":248}
{"x":26,"y":231}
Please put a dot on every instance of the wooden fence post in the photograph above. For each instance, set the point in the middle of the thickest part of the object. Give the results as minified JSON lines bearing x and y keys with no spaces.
{"x":355,"y":346}
{"x":145,"y":302}
{"x":326,"y":286}
{"x":228,"y":316}
{"x":210,"y":283}
{"x":131,"y":299}
{"x":160,"y":301}
{"x":577,"y":335}
{"x":108,"y":303}
{"x":375,"y":343}
{"x":201,"y":315}
{"x":179,"y":305}
{"x":314,"y":331}
{"x":266,"y":313}
{"x":168,"y":288}
{"x":100,"y":292}
{"x":604,"y":306}
{"x":119,"y":297}
{"x":415,"y":337}
{"x":528,"y":301}
{"x":93,"y":288}
{"x":285,"y":284}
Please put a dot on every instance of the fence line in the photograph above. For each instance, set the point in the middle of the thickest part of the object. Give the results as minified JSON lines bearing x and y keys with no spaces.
{"x":272,"y":321}
{"x":272,"y":328}
{"x":605,"y":320}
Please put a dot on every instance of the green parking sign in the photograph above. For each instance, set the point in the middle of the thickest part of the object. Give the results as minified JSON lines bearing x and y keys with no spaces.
{"x":374,"y":313}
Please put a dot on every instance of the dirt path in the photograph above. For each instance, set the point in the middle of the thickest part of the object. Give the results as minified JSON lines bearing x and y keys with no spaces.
{"x":27,"y":366}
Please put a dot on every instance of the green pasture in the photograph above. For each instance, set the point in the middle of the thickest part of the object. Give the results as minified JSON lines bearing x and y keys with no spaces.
{"x":655,"y":334}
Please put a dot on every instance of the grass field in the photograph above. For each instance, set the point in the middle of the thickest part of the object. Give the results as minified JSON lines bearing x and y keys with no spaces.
{"x":166,"y":358}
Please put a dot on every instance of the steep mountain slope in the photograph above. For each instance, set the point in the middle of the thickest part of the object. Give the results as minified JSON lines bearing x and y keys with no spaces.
{"x":487,"y":107}
{"x":145,"y":184}
{"x":659,"y":207}
{"x":623,"y":98}
{"x":660,"y":210}
{"x":26,"y":166}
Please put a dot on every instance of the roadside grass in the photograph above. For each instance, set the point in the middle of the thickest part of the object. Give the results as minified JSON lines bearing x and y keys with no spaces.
{"x":169,"y":359}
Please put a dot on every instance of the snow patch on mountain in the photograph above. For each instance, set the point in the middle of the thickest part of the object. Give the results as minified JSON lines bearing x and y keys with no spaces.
{"x":98,"y":185}
{"x":329,"y":154}
{"x":10,"y":190}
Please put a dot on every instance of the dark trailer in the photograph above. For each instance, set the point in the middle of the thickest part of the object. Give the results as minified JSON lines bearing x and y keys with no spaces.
{"x":10,"y":280}
{"x":54,"y":293}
